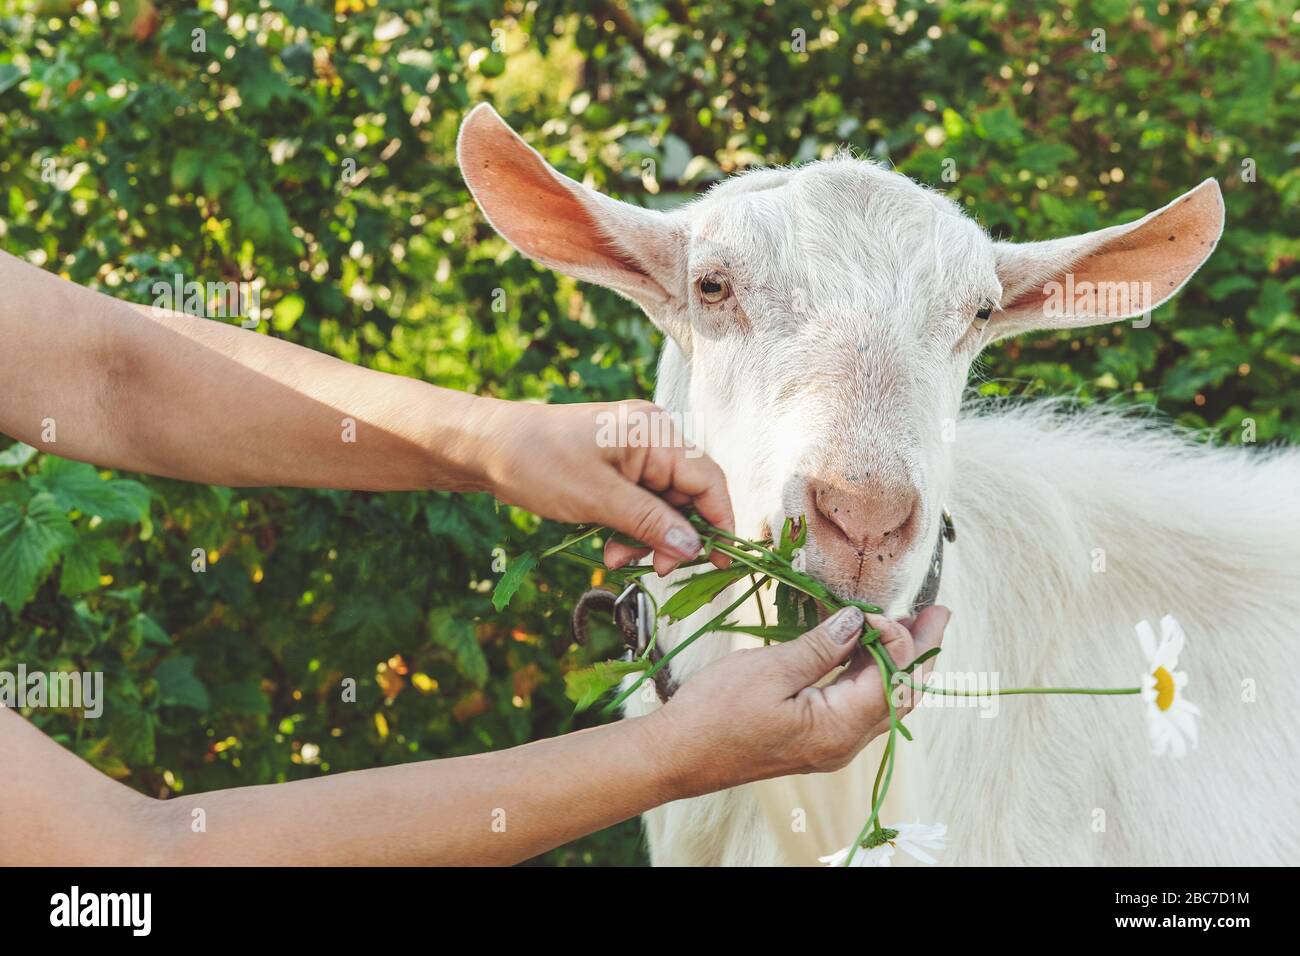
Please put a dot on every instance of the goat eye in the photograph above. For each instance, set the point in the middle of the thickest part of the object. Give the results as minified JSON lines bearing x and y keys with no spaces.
{"x":714,"y":288}
{"x":982,"y":317}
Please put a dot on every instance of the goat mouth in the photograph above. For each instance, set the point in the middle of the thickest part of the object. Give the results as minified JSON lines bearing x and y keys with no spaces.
{"x":864,"y":573}
{"x":860,"y":588}
{"x":864,"y":556}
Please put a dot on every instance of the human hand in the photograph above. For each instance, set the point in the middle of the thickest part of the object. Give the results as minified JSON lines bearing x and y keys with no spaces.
{"x":758,"y":713}
{"x":550,"y":460}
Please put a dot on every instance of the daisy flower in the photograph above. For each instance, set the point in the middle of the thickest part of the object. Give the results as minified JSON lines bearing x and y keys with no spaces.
{"x":1171,"y":717}
{"x":879,"y":847}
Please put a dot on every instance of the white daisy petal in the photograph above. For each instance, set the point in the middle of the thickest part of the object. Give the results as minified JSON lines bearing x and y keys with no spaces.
{"x":914,"y":850}
{"x":913,"y":837}
{"x":835,"y":859}
{"x":1185,"y":722}
{"x":1170,"y":715}
{"x":1171,"y":633}
{"x":1147,"y":638}
{"x":876,"y":856}
{"x":880,"y":856}
{"x":1159,"y":739}
{"x":1177,"y":746}
{"x":933,"y":835}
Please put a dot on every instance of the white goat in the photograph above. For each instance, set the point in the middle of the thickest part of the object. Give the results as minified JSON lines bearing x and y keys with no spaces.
{"x":821,"y":323}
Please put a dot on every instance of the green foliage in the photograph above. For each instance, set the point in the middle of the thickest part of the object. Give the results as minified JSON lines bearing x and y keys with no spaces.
{"x":309,"y":147}
{"x":586,"y":686}
{"x":513,"y":578}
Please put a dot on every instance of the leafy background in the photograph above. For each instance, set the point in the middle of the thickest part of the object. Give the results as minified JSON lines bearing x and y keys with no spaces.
{"x":310,"y":150}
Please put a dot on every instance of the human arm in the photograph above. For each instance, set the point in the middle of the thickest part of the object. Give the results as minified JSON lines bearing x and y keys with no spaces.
{"x":752,"y":715}
{"x":96,"y":379}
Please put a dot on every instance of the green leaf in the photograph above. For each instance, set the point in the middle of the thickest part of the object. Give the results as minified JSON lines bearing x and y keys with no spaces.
{"x":219,"y":175}
{"x":249,"y":214}
{"x":494,"y":64}
{"x":287,"y":312}
{"x":699,"y":590}
{"x":81,"y":563}
{"x":9,"y":76}
{"x":790,"y":542}
{"x":589,"y":684}
{"x":186,"y":166}
{"x":954,"y":126}
{"x":77,"y":486}
{"x":16,"y":455}
{"x":921,"y":659}
{"x":1045,"y":158}
{"x":999,"y":125}
{"x":178,"y":685}
{"x":446,"y":515}
{"x":457,"y":635}
{"x":794,"y":608}
{"x":150,"y":631}
{"x":1226,"y":286}
{"x":515,"y":574}
{"x":241,"y":697}
{"x":110,"y":765}
{"x":1057,"y":210}
{"x":297,"y":59}
{"x":133,"y":731}
{"x":31,"y":539}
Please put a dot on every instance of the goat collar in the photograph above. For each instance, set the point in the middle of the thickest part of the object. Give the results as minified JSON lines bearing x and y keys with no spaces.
{"x":930,"y":586}
{"x":630,"y":613}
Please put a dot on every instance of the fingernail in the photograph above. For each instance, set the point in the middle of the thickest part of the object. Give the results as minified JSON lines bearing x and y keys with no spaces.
{"x":845,"y":624}
{"x":684,"y":541}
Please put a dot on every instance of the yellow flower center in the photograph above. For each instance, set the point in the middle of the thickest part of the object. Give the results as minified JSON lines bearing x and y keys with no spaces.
{"x":1164,"y":688}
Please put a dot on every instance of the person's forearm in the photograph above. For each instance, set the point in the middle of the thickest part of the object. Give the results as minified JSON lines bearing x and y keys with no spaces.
{"x":490,"y":809}
{"x":138,"y":388}
{"x":756,"y":714}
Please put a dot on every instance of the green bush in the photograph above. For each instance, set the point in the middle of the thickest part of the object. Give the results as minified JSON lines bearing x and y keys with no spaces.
{"x":309,"y":147}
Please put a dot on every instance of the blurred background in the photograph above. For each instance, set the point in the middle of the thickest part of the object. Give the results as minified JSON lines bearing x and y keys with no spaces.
{"x":307,"y":147}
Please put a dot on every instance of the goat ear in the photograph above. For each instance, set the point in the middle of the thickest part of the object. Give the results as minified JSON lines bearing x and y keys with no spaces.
{"x":562,"y":223}
{"x":1110,"y":274}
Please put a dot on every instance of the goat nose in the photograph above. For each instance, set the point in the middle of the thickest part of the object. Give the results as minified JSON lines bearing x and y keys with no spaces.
{"x":868,"y":514}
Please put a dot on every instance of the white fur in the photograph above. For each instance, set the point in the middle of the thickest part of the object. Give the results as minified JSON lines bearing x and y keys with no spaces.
{"x":1209,"y":534}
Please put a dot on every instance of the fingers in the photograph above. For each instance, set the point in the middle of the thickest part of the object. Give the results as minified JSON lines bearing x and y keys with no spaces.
{"x":895,"y":638}
{"x":693,"y":478}
{"x":813,"y":655}
{"x":647,"y":517}
{"x":858,"y":693}
{"x":670,"y":478}
{"x":928,"y":628}
{"x":619,"y":553}
{"x":927,"y":633}
{"x":702,"y":481}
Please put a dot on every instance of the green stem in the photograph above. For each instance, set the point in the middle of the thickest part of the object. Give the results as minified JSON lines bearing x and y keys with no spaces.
{"x":758,"y":599}
{"x":715,"y":531}
{"x":875,"y":786}
{"x":879,"y":792}
{"x":581,"y":558}
{"x":571,"y":540}
{"x":800,"y":582}
{"x":663,"y":661}
{"x":1097,"y":691}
